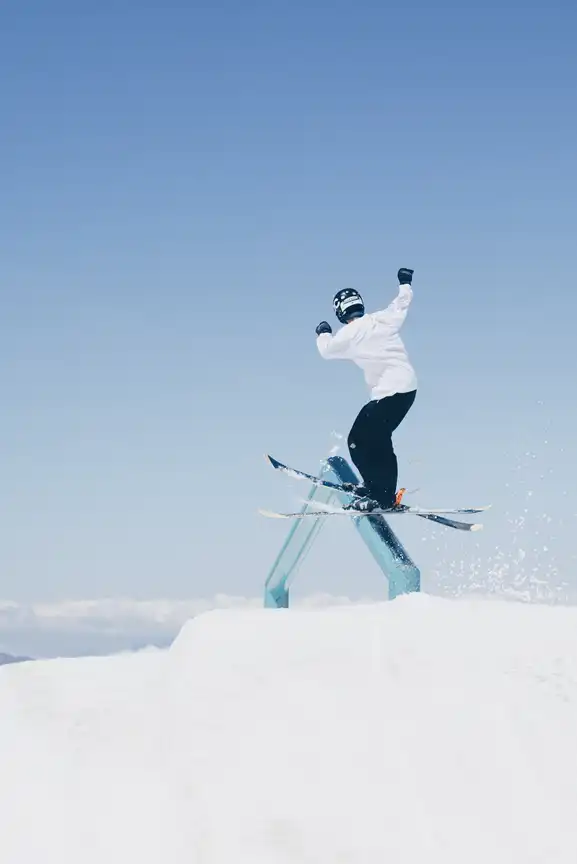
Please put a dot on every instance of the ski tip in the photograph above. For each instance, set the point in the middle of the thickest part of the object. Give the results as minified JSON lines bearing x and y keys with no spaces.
{"x":271,"y":460}
{"x":270,"y":514}
{"x":478,"y":526}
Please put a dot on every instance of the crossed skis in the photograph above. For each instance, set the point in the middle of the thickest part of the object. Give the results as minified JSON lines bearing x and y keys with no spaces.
{"x":434,"y":515}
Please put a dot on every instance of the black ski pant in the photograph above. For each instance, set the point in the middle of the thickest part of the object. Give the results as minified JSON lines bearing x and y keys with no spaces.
{"x":371,"y":444}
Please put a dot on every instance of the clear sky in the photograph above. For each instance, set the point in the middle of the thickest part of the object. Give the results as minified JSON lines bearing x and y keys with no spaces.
{"x":183,"y":189}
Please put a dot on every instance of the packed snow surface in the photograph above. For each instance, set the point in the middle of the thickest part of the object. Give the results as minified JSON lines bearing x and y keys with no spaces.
{"x":415,"y":731}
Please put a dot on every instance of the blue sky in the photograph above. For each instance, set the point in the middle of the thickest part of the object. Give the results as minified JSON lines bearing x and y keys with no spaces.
{"x":183,"y":190}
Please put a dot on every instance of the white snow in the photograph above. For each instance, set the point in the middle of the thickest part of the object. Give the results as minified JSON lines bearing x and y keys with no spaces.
{"x":422,"y":730}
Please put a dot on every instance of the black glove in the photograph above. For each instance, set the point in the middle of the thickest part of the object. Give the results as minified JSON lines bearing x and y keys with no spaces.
{"x":405,"y":276}
{"x":324,"y":327}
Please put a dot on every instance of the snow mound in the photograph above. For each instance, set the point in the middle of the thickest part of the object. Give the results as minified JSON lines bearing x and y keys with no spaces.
{"x":418,"y":730}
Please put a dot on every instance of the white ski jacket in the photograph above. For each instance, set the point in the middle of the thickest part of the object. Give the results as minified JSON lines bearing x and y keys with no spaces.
{"x":374,"y":344}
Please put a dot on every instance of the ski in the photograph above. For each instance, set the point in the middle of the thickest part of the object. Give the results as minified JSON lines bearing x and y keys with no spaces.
{"x":351,"y":489}
{"x":355,"y":514}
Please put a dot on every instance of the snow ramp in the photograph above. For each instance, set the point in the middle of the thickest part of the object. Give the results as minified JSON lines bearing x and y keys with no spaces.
{"x":414,"y":731}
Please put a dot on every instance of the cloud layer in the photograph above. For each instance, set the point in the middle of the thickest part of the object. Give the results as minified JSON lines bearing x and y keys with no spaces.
{"x":102,"y":626}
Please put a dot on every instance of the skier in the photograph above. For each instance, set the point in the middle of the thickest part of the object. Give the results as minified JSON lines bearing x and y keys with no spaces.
{"x":372,"y":341}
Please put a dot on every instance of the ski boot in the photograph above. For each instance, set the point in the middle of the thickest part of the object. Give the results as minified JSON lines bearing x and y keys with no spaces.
{"x":366,"y":504}
{"x":363,"y":504}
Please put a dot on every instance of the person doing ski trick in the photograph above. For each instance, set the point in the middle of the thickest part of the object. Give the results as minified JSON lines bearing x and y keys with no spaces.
{"x":372,"y":341}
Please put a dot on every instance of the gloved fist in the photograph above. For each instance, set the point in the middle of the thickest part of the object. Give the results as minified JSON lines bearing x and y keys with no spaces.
{"x":324,"y":327}
{"x":405,"y":276}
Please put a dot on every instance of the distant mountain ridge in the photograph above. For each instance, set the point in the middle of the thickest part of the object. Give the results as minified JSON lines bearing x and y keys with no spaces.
{"x":9,"y":658}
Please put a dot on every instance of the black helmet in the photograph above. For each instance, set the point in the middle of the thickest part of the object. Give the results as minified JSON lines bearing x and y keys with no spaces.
{"x":348,"y":304}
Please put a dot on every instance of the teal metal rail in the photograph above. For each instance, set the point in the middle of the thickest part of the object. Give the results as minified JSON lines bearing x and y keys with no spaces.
{"x":401,"y":572}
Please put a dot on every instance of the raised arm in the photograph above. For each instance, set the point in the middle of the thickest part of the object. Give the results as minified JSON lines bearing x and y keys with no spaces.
{"x":396,"y":312}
